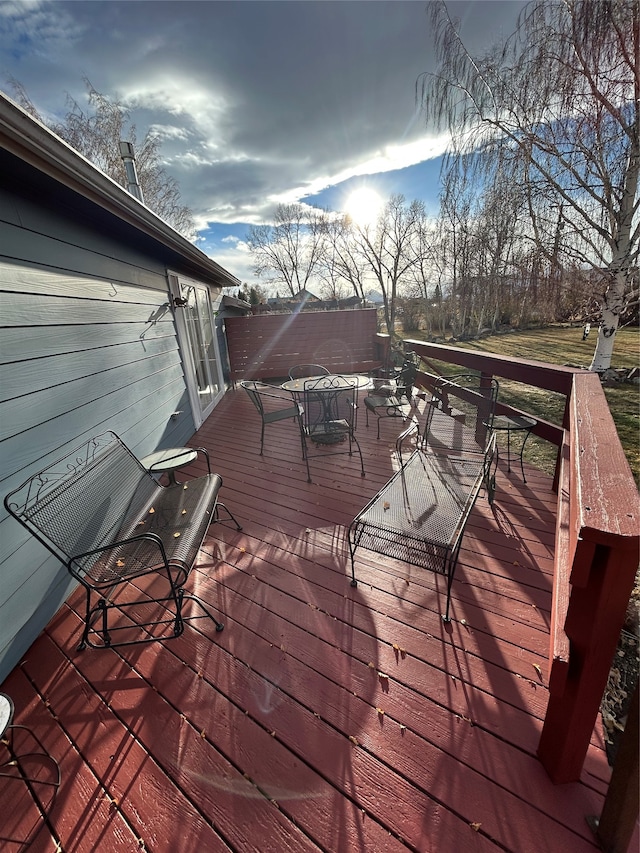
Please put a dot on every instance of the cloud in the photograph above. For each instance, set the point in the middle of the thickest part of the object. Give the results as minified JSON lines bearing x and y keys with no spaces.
{"x":392,"y":158}
{"x":255,"y":102}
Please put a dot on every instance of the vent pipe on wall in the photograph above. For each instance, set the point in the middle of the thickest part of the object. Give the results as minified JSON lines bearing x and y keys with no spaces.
{"x":129,"y":159}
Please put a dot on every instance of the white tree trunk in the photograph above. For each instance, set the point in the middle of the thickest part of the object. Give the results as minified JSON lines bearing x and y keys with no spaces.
{"x":613,"y":305}
{"x":620,"y":266}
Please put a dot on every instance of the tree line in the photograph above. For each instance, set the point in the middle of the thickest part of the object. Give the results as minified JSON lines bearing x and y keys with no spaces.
{"x":539,"y":202}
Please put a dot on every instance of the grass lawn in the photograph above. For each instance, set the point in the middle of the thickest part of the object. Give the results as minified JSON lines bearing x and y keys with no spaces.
{"x":564,"y":345}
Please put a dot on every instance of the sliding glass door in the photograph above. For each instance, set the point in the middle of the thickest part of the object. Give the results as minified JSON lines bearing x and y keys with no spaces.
{"x":195,"y":320}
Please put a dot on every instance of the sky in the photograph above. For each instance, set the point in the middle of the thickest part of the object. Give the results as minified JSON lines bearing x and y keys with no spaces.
{"x":255,"y":103}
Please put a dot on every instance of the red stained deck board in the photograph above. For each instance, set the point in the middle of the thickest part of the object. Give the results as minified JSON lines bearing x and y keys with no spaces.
{"x":386,"y":622}
{"x":252,"y":697}
{"x":233,"y":737}
{"x":386,"y":593}
{"x":375,"y":628}
{"x":365,"y":644}
{"x":205,"y":788}
{"x":128,"y":780}
{"x":242,"y":731}
{"x":294,"y":659}
{"x":515,"y":771}
{"x":81,"y":815}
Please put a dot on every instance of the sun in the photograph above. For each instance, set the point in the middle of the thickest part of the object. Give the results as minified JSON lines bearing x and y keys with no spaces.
{"x":363,"y":206}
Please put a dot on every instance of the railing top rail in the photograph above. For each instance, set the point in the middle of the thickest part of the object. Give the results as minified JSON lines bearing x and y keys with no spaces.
{"x":608,"y":500}
{"x":551,"y":377}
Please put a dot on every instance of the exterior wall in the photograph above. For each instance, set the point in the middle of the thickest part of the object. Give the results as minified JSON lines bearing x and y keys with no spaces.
{"x":87,"y":344}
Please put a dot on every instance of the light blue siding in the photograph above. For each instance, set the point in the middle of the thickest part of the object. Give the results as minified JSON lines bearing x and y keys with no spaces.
{"x":79,"y":355}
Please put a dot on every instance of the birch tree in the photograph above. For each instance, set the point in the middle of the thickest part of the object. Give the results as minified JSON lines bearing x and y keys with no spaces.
{"x":559,"y":102}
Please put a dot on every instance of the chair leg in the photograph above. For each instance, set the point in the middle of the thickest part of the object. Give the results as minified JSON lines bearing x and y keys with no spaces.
{"x":87,"y":615}
{"x":362,"y":473}
{"x":35,"y":784}
{"x":306,"y":459}
{"x":216,"y":516}
{"x":207,"y":612}
{"x":305,"y":455}
{"x":302,"y":442}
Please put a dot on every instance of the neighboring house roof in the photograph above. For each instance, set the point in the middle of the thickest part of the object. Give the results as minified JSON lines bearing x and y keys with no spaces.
{"x":34,"y":144}
{"x":234,"y":302}
{"x":304,"y":295}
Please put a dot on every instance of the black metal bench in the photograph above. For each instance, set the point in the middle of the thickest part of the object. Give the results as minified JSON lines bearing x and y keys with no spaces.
{"x":109,"y":521}
{"x":419,"y":515}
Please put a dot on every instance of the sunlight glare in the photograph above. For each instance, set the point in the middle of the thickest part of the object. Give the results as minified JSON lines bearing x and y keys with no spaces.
{"x":363,"y":206}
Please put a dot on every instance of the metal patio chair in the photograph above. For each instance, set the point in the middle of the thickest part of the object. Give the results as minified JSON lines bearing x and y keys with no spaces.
{"x":106,"y":518}
{"x":392,"y":394}
{"x":329,"y":417}
{"x":273,"y":405}
{"x":420,"y":515}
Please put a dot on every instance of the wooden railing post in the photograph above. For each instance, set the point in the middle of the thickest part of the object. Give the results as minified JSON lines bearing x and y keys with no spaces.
{"x":596,"y":560}
{"x":615,"y":826}
{"x":594,"y":619}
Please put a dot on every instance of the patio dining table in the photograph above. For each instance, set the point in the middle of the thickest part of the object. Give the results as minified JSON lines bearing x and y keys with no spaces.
{"x":333,"y":380}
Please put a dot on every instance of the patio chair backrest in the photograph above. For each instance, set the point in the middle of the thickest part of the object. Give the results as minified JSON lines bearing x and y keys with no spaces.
{"x":270,"y":400}
{"x":329,"y":400}
{"x":459,"y":417}
{"x":407,"y":375}
{"x":301,"y":371}
{"x":67,"y":506}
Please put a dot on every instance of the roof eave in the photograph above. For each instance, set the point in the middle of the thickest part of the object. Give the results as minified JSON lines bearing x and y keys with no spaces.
{"x":34,"y":143}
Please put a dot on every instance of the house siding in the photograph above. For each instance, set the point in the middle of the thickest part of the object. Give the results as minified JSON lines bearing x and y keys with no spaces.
{"x":87,"y":343}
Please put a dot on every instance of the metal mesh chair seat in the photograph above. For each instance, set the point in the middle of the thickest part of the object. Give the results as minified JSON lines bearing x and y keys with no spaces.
{"x":419,"y":516}
{"x":176,"y":515}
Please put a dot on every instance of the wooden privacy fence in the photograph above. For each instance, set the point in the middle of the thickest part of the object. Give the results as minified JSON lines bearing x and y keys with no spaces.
{"x":266,"y":346}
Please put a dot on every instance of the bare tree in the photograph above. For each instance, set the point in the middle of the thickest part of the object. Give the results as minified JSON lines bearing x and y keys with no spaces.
{"x":389,"y":249}
{"x":96,"y":133}
{"x":288,"y":251}
{"x":340,"y":259}
{"x":559,"y":102}
{"x":456,"y":239}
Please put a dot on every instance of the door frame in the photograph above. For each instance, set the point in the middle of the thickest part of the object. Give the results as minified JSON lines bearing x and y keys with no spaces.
{"x":177,"y":282}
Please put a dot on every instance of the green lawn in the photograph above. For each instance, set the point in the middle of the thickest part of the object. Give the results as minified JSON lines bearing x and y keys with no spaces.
{"x":564,"y":345}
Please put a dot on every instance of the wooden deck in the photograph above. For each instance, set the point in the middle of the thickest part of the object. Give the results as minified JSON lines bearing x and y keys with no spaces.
{"x":323,"y":717}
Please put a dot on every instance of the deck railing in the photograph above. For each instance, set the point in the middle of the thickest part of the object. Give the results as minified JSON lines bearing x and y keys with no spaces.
{"x":596,"y":550}
{"x":597,"y":532}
